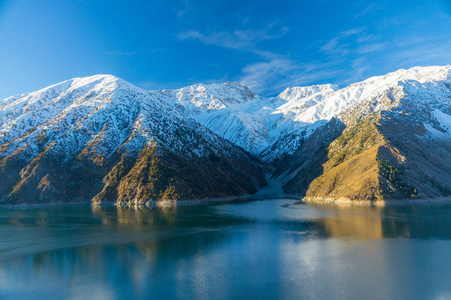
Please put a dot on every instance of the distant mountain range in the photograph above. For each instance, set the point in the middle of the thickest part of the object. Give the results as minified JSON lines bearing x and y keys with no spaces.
{"x":104,"y":140}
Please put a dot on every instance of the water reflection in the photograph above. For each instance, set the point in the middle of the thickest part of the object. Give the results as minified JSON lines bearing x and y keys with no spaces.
{"x":262,"y":249}
{"x":419,"y":222}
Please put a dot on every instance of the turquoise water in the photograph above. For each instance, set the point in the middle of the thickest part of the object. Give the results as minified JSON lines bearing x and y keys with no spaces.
{"x":272,"y":249}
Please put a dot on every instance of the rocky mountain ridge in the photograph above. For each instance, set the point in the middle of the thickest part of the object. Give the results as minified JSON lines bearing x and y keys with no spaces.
{"x":318,"y":139}
{"x":393,"y":143}
{"x":102,"y":139}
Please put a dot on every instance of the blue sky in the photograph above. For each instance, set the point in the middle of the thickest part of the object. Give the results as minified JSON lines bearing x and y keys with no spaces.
{"x":267,"y":45}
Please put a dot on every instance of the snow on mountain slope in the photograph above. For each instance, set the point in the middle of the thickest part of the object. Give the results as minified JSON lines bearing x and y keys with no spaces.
{"x":423,"y":83}
{"x":101,"y":139}
{"x":266,"y":127}
{"x":299,"y":92}
{"x":86,"y":96}
{"x":252,"y":122}
{"x":102,"y":112}
{"x":417,"y":87}
{"x":273,"y":127}
{"x":223,"y":108}
{"x":444,"y":120}
{"x":389,"y":140}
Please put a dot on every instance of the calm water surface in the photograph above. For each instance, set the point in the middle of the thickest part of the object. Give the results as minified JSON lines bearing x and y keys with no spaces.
{"x":273,"y":249}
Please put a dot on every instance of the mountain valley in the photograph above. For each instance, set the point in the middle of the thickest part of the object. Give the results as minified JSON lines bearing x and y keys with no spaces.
{"x":100,"y":139}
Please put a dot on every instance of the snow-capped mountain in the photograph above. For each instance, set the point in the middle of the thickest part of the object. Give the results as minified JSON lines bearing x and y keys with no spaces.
{"x":273,"y":127}
{"x":389,"y":139}
{"x":110,"y":129}
{"x":101,"y":111}
{"x":418,"y":86}
{"x":249,"y":121}
{"x":225,"y":109}
{"x":107,"y":124}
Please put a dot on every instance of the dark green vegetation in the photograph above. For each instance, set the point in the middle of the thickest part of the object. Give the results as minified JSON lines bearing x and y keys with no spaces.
{"x":394,"y":176}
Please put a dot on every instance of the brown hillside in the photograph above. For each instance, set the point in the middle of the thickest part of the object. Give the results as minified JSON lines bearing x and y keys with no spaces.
{"x":379,"y":158}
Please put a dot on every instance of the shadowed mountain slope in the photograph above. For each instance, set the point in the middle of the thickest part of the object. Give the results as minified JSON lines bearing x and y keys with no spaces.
{"x":102,"y":139}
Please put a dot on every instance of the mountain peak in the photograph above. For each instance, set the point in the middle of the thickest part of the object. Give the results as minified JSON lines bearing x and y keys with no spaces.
{"x":78,"y":82}
{"x":299,"y":92}
{"x":225,"y":93}
{"x":102,"y":117}
{"x":420,"y":74}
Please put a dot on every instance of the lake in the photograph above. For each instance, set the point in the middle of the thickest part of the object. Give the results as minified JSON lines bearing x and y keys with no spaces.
{"x":271,"y":249}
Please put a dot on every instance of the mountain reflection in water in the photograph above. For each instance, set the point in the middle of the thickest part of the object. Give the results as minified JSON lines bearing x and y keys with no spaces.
{"x":261,"y":249}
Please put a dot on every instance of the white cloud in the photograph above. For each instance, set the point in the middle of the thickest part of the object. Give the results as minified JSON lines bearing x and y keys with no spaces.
{"x":131,"y":53}
{"x":179,"y":7}
{"x":256,"y":75}
{"x":370,"y":48}
{"x":244,"y":40}
{"x":370,"y":8}
{"x":277,"y":73}
{"x":340,"y":43}
{"x":122,"y":53}
{"x":273,"y":72}
{"x":235,"y":40}
{"x":424,"y":54}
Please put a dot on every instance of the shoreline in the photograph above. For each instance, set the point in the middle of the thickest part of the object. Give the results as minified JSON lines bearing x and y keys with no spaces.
{"x":152,"y":204}
{"x":259,"y":196}
{"x":397,"y":202}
